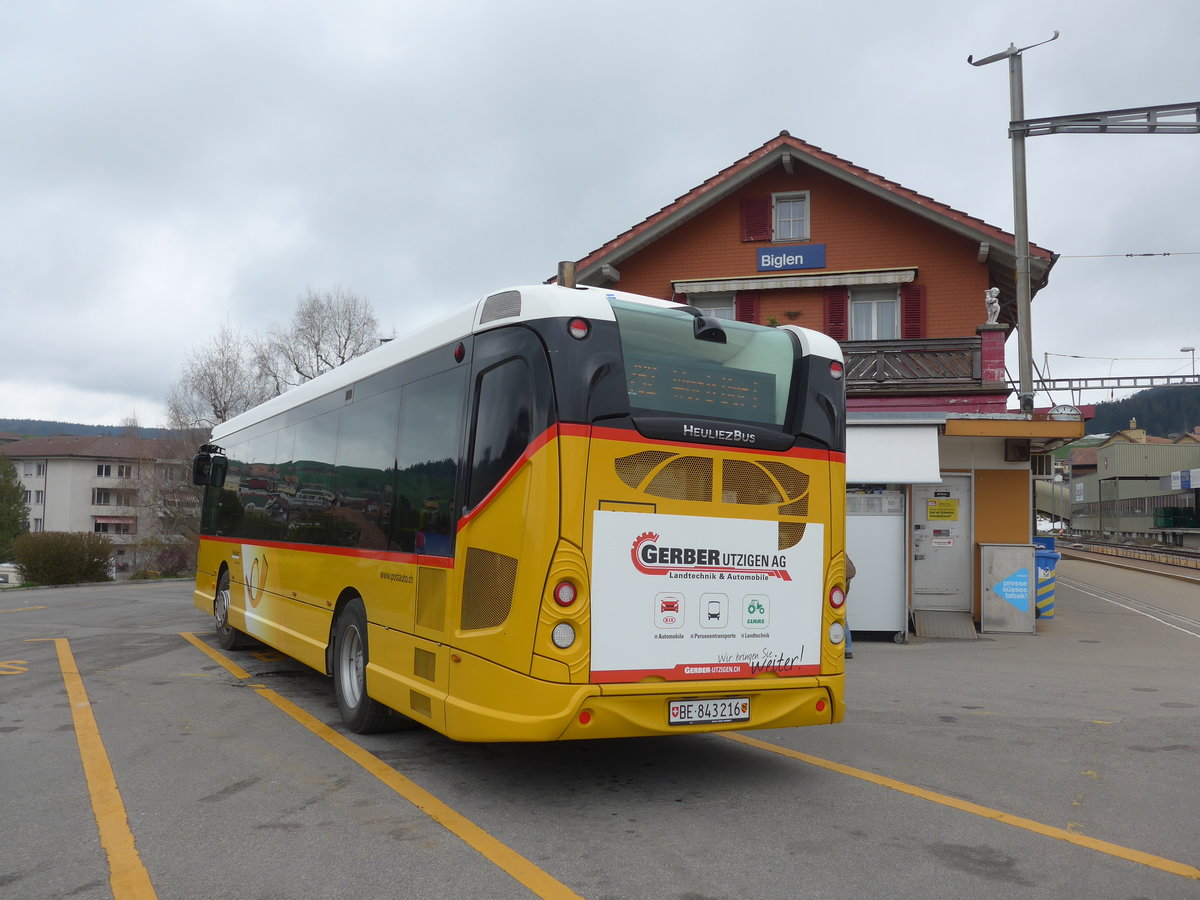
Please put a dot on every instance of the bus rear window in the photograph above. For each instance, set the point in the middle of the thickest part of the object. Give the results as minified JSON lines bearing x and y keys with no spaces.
{"x":667,"y":370}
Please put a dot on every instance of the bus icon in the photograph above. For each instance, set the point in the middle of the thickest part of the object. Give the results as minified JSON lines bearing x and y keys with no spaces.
{"x":714,"y":610}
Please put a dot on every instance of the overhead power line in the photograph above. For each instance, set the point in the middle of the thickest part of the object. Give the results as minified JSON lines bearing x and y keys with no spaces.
{"x":1117,"y":358}
{"x":1127,"y":255}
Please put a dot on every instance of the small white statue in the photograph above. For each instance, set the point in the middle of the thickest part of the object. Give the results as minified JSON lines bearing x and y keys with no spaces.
{"x":991,"y":299}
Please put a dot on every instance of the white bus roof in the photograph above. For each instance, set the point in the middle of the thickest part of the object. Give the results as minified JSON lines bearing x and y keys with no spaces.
{"x":540,"y":301}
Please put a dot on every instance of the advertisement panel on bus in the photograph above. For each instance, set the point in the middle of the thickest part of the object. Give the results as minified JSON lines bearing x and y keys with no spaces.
{"x":696,"y":598}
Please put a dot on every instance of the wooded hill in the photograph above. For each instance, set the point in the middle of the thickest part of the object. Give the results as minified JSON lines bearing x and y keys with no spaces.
{"x":39,"y":428}
{"x":1161,"y":411}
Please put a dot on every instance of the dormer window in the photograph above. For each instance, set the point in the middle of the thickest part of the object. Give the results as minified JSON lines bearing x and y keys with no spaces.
{"x":776,"y":217}
{"x":790,"y":216}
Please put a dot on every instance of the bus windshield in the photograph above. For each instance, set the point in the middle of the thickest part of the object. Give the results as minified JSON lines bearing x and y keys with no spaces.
{"x":746,"y":379}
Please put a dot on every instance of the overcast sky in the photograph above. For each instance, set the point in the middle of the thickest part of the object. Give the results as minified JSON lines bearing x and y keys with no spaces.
{"x":167,"y":167}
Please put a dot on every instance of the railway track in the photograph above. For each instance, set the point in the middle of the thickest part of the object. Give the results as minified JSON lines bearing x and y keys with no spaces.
{"x":1173,"y":561}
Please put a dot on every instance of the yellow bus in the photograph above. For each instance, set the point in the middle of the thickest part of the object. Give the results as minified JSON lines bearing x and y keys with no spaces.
{"x":560,"y":513}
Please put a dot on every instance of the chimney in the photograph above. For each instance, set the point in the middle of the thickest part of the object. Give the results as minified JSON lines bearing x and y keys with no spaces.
{"x":566,"y":274}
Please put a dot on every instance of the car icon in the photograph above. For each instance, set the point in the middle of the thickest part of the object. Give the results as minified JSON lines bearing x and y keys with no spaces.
{"x":669,"y":606}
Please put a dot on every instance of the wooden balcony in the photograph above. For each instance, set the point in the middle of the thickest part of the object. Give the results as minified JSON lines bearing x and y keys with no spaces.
{"x":944,"y":366}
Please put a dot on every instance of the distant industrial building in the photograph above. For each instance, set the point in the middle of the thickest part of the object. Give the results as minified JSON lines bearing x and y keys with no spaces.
{"x":1135,"y":485}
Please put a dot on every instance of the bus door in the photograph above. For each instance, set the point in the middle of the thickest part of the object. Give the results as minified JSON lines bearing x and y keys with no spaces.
{"x":510,"y":523}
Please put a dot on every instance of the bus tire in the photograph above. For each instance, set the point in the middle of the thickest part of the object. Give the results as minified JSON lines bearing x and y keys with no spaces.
{"x":360,"y":713}
{"x":227,"y":636}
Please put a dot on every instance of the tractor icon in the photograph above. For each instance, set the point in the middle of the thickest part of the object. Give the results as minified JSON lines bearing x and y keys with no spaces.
{"x":756,"y":611}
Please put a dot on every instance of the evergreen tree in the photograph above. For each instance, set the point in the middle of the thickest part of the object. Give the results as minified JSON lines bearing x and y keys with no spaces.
{"x":1161,"y":411}
{"x":13,"y":514}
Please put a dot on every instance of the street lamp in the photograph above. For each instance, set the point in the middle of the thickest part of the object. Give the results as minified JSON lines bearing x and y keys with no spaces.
{"x":1191,"y":350}
{"x":1016,"y":93}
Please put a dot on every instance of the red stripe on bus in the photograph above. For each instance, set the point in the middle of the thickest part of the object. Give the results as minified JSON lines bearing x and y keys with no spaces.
{"x":676,"y":676}
{"x":418,"y":559}
{"x":534,"y":446}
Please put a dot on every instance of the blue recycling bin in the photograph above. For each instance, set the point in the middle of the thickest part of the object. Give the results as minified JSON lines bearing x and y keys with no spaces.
{"x":1046,"y":560}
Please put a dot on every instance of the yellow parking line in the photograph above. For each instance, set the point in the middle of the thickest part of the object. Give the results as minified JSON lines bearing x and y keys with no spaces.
{"x":1146,"y":859}
{"x":537,"y":880}
{"x":228,"y":664}
{"x":540,"y":882}
{"x":127,"y":876}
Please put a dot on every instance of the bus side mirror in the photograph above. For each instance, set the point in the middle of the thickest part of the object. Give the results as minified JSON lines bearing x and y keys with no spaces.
{"x":201,"y":466}
{"x":209,"y":469}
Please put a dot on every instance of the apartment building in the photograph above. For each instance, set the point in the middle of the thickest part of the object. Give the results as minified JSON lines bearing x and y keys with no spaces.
{"x":127,"y":488}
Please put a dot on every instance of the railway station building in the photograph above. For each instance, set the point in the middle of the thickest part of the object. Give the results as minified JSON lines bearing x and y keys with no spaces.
{"x":922,"y":298}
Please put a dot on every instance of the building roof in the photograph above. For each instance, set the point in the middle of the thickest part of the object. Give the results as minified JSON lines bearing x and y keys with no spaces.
{"x":788,"y":151}
{"x":1135,"y":436}
{"x":1083,"y":456}
{"x":83,"y":446}
{"x":1190,"y":437}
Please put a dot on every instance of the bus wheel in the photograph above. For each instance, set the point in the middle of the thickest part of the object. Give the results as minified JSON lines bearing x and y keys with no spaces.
{"x":360,"y":713}
{"x":227,"y":636}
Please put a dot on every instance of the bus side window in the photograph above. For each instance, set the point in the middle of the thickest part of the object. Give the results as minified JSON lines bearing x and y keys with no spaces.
{"x":363,"y":478}
{"x":309,"y":513}
{"x":503,"y":425}
{"x":426,"y":467}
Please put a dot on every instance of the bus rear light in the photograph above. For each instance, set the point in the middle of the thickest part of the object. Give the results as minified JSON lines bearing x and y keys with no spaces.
{"x":820,"y":706}
{"x":565,"y":593}
{"x":835,"y":370}
{"x":837,"y":633}
{"x":563,"y":635}
{"x":585,"y":717}
{"x":579,"y":328}
{"x":837,"y":597}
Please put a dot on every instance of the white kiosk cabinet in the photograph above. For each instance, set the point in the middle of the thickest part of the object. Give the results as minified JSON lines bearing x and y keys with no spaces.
{"x":878,"y":598}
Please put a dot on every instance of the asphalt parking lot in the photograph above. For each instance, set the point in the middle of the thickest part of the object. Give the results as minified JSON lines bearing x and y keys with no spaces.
{"x":1061,"y":764}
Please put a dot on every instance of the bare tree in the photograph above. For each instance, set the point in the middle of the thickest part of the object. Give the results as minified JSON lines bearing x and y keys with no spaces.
{"x":169,"y":514}
{"x":156,"y":489}
{"x":217,"y":382}
{"x":326,"y":331}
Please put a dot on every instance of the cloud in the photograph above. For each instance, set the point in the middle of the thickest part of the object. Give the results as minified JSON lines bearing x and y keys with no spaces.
{"x":178,"y":166}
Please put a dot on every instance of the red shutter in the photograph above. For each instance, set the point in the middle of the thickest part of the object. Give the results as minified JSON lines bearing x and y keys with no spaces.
{"x":756,"y":219}
{"x":745,"y":306}
{"x":912,"y":312}
{"x":837,"y":302}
